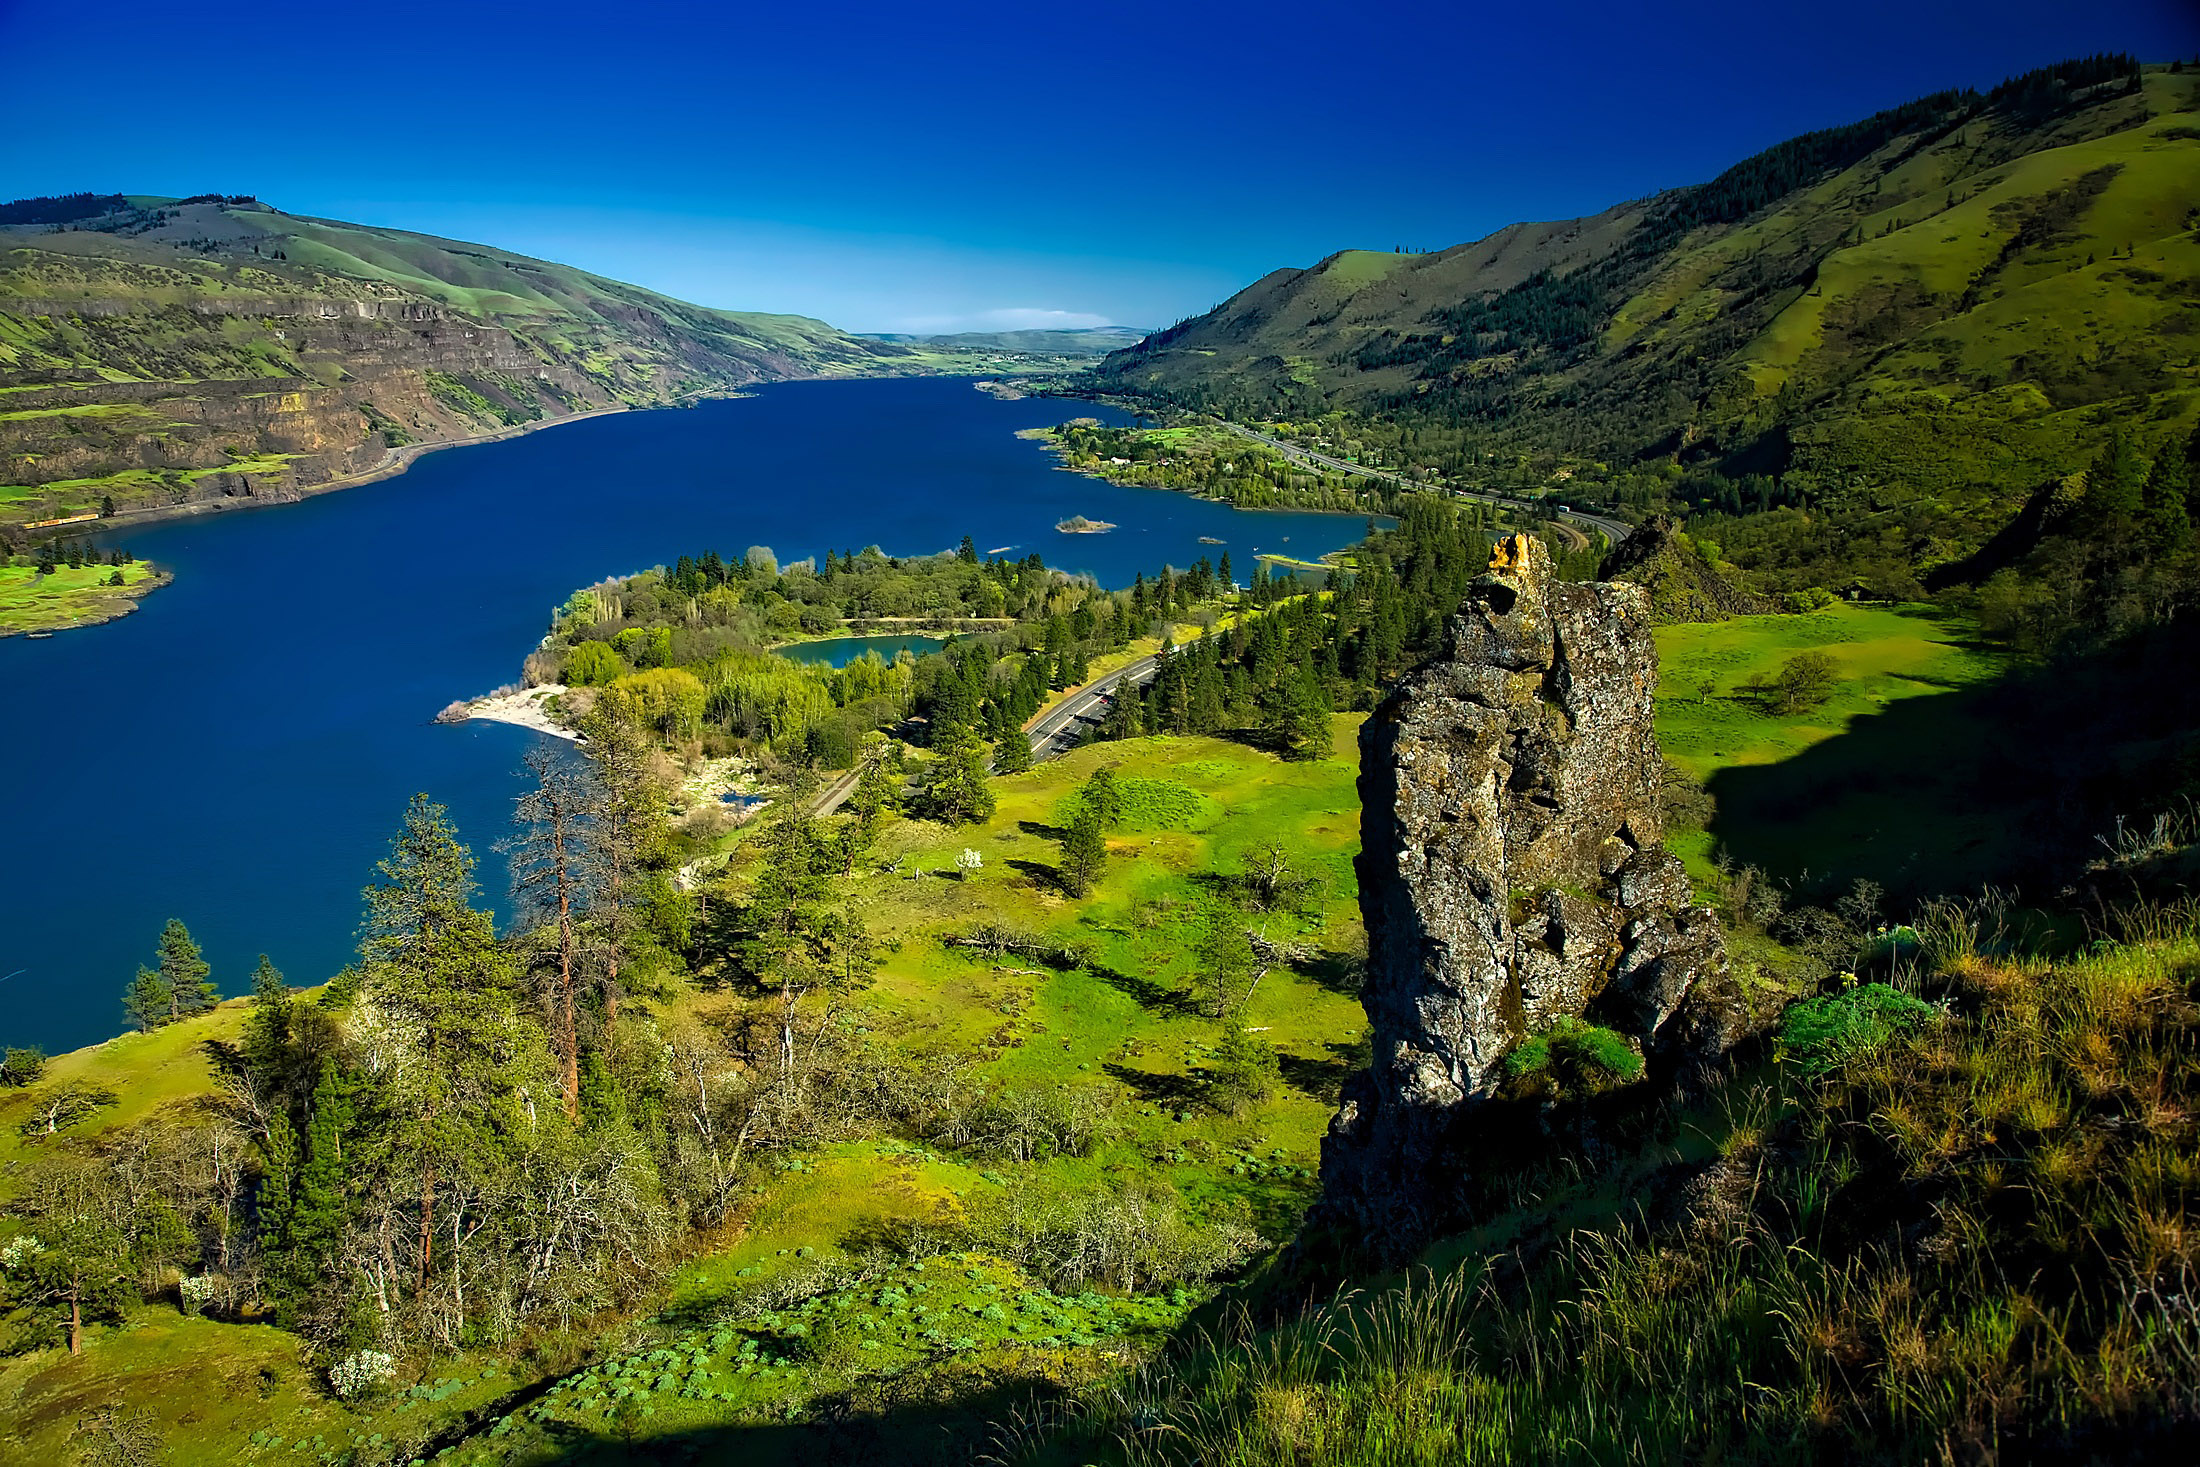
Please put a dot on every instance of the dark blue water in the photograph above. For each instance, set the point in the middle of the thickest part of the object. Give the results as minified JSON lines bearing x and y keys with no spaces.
{"x":238,"y":751}
{"x":840,"y":651}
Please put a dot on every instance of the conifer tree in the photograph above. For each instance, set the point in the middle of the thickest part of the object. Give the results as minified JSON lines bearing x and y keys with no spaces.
{"x":191,"y":987}
{"x":1084,"y":852}
{"x":147,"y":1001}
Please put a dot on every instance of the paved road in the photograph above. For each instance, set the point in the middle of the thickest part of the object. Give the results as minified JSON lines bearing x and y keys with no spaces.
{"x":1053,"y":735}
{"x":1612,"y":530}
{"x":1058,"y":731}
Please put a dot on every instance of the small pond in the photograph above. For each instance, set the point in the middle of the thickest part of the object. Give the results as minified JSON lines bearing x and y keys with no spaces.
{"x":840,"y":651}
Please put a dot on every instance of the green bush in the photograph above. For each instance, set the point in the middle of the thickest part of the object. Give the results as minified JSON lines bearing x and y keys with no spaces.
{"x":1818,"y":1034}
{"x":1145,"y":804}
{"x":1578,"y":1058}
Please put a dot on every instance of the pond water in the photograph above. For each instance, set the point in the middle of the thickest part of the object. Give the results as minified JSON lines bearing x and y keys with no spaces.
{"x":840,"y":651}
{"x":238,"y":752}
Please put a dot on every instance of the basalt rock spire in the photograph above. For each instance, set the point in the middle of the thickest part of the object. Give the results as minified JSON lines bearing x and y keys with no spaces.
{"x":1513,"y":881}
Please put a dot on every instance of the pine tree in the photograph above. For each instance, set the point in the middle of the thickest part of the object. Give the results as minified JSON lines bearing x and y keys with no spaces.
{"x":1084,"y":852}
{"x":191,"y":987}
{"x":147,"y":1001}
{"x":955,"y":788}
{"x":2165,"y":516}
{"x":1012,"y":755}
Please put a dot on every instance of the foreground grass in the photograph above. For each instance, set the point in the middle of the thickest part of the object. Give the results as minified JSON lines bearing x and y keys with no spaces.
{"x":30,"y":602}
{"x":1970,"y":1242}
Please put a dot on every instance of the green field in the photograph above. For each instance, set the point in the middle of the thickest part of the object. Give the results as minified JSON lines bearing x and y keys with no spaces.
{"x":30,"y":602}
{"x":1882,"y":780}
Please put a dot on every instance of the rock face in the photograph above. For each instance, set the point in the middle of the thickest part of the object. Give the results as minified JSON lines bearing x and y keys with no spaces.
{"x":1683,"y":585}
{"x":1512,"y":880}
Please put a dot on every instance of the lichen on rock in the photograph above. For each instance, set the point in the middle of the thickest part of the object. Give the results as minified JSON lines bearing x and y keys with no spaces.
{"x":1512,"y":879}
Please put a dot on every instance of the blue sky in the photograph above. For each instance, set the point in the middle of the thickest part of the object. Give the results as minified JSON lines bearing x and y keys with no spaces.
{"x":973,"y":166}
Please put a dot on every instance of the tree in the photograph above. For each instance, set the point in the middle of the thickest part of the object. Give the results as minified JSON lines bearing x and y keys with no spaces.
{"x":1295,"y":717}
{"x":2114,"y":489}
{"x":148,"y":1001}
{"x":75,"y":1272}
{"x":1012,"y":755}
{"x":1103,"y":796}
{"x":1084,"y":852}
{"x":1805,"y":681}
{"x":1225,"y":964}
{"x":435,"y":994}
{"x":955,"y":788}
{"x":554,"y":879}
{"x":191,"y":989}
{"x":2165,"y":514}
{"x":1244,"y":1071}
{"x":23,"y":1066}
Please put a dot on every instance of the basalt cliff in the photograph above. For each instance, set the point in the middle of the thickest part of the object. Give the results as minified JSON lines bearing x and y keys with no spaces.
{"x":163,"y":355}
{"x":1515,"y":888}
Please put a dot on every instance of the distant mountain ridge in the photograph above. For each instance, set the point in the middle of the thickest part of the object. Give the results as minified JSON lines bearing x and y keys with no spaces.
{"x":1074,"y":341}
{"x":165,"y":353}
{"x":1948,"y":299}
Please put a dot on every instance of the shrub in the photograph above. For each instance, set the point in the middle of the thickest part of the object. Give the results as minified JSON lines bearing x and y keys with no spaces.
{"x":361,"y":1374}
{"x":1578,"y":1058}
{"x":1821,"y":1033}
{"x":592,"y":665}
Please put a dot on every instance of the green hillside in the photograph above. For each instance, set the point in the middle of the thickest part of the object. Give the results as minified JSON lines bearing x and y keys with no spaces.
{"x":164,"y":353}
{"x":1950,"y":302}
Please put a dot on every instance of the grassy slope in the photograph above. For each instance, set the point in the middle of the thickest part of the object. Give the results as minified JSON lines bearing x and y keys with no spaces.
{"x":1123,"y":1027}
{"x":1901,"y":383}
{"x":30,"y":602}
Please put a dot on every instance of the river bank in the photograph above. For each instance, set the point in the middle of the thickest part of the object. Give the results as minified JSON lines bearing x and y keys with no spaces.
{"x":521,"y":707}
{"x":35,"y":604}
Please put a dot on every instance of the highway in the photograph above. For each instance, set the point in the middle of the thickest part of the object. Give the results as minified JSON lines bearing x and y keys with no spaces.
{"x":1613,"y":531}
{"x":1056,"y":732}
{"x":1058,"y":729}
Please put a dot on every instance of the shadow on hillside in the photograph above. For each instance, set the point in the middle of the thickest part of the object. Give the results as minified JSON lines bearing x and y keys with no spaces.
{"x":1318,"y":1079}
{"x":897,"y":1423}
{"x":1160,"y":1087}
{"x":2006,"y":784}
{"x":1041,"y":829}
{"x":1154,"y":997}
{"x":1041,"y":872}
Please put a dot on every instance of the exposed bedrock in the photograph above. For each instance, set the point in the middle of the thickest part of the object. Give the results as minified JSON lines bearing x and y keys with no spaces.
{"x":1513,"y":880}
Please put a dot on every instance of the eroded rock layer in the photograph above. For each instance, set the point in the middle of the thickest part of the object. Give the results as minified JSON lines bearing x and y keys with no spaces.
{"x":1513,"y":882}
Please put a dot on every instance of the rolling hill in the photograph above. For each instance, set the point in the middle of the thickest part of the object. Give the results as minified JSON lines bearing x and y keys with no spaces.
{"x":165,"y":353}
{"x":1951,"y":301}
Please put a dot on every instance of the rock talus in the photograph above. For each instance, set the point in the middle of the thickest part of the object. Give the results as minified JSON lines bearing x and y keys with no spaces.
{"x":1512,"y":879}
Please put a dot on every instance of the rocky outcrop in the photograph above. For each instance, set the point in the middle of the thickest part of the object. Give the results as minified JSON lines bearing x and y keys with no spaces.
{"x":1683,"y":584}
{"x":1513,"y":883}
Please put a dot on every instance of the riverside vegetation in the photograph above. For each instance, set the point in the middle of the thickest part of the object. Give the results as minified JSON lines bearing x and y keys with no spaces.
{"x":980,"y":1118}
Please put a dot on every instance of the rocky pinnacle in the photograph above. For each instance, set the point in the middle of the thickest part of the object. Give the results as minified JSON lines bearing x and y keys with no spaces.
{"x":1512,"y":879}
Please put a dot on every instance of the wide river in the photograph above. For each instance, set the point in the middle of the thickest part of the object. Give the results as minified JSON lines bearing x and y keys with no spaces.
{"x":238,"y":752}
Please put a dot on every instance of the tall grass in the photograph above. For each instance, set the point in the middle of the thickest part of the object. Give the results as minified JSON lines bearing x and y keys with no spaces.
{"x":1975,"y":1241}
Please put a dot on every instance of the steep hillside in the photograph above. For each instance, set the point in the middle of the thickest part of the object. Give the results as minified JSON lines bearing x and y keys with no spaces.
{"x":1950,"y":299}
{"x":161,"y":353}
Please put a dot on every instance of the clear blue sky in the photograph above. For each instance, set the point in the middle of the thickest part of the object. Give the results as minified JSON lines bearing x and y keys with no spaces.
{"x":951,"y":166}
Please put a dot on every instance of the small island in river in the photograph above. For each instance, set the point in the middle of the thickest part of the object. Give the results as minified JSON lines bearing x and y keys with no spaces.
{"x":1077,"y":524}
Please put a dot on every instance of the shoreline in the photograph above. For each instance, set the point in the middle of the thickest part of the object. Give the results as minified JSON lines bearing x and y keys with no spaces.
{"x":395,"y":461}
{"x":117,"y":603}
{"x":521,"y":707}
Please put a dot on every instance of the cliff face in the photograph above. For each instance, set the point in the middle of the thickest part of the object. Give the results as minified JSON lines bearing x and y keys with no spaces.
{"x":1513,"y":882}
{"x":170,"y":356}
